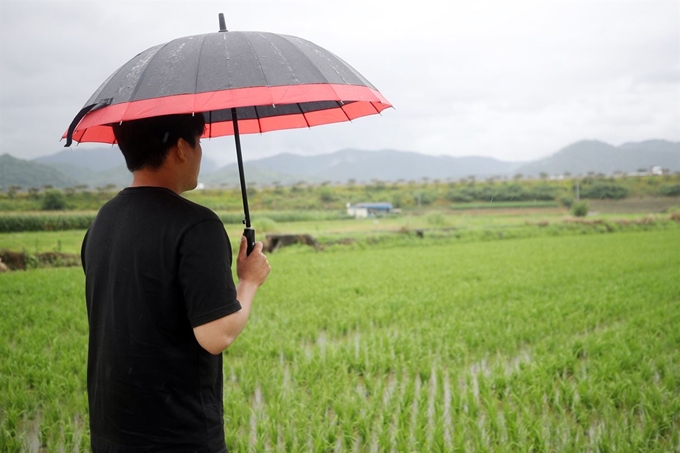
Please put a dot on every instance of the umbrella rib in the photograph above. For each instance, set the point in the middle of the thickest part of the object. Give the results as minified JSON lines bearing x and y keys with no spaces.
{"x":375,"y":108}
{"x":304,"y":91}
{"x":257,"y":117}
{"x":264,"y":75}
{"x":141,"y":76}
{"x":304,"y":115}
{"x":313,"y":66}
{"x":342,"y":105}
{"x":198,"y":71}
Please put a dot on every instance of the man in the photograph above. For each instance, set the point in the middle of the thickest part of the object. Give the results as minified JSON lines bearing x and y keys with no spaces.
{"x":161,"y":301}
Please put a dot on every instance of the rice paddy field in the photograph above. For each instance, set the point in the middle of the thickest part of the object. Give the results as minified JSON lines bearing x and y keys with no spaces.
{"x":550,"y":343}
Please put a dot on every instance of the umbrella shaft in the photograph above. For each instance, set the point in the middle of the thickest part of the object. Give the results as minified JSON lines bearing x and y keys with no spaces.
{"x":241,"y":173}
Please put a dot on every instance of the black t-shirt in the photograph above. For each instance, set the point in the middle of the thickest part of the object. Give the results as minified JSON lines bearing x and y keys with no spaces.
{"x":156,"y":265}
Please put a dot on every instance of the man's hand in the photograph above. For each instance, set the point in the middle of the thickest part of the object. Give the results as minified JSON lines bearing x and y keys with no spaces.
{"x":252,"y":269}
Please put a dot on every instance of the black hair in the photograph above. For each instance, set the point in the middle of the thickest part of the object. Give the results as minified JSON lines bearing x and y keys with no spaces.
{"x":145,"y":143}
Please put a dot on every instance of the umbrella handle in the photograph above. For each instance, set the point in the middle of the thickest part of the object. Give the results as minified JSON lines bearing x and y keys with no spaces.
{"x":249,"y":233}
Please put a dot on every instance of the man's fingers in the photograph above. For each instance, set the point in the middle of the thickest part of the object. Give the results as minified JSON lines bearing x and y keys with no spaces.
{"x":243,"y":247}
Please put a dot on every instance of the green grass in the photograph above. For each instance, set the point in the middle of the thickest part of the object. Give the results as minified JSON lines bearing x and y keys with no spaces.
{"x":556,"y":343}
{"x":465,"y":226}
{"x":43,"y":241}
{"x":506,"y":204}
{"x":43,"y":350}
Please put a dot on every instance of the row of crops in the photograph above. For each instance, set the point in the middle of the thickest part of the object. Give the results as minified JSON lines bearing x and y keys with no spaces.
{"x":565,"y":343}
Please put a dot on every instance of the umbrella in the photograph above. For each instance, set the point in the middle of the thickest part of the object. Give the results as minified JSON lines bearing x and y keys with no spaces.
{"x":242,"y":82}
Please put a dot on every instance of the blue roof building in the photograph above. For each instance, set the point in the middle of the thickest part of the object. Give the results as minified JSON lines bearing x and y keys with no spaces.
{"x":370,"y":209}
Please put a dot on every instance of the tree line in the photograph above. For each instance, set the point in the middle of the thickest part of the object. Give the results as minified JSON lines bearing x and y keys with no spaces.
{"x":327,"y":196}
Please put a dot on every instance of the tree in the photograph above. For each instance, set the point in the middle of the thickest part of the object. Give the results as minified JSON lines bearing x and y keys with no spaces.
{"x":669,"y":190}
{"x":604,"y":190}
{"x":326,"y":195}
{"x":397,"y":200}
{"x":579,"y":209}
{"x":12,"y":191}
{"x":53,"y":200}
{"x":33,"y":193}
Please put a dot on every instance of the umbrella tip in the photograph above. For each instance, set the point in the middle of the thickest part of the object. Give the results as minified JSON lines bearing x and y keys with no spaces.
{"x":223,"y":24}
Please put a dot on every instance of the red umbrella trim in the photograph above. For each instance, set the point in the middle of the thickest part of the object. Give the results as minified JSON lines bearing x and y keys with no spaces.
{"x":354,"y":102}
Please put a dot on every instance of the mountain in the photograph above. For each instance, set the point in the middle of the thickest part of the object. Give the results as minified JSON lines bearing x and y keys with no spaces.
{"x":586,"y":156}
{"x":95,"y":159}
{"x":101,"y":166}
{"x":386,"y":165}
{"x":352,"y":164}
{"x":118,"y":176}
{"x":255,"y":175}
{"x":100,"y":159}
{"x":26,"y":174}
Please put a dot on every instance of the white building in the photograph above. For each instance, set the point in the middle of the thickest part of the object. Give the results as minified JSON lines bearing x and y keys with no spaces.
{"x":363,"y":210}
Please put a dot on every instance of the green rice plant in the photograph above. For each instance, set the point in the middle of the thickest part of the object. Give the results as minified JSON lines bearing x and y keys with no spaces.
{"x":284,"y":216}
{"x":436,"y":218}
{"x":44,"y":222}
{"x":265,"y":225}
{"x":44,"y":347}
{"x":67,"y":241}
{"x":543,"y":343}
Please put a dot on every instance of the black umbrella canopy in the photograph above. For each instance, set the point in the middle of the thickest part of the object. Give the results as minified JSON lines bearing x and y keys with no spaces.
{"x":224,"y":61}
{"x":242,"y":82}
{"x":275,"y":81}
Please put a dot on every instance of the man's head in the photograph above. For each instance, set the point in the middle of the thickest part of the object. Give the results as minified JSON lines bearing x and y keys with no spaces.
{"x":145,"y":143}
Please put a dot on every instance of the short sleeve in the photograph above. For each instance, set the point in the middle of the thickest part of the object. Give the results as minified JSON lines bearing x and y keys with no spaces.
{"x":205,"y":273}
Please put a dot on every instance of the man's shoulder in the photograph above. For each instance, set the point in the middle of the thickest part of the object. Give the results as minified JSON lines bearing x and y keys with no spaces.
{"x":162,"y":205}
{"x":197,"y":208}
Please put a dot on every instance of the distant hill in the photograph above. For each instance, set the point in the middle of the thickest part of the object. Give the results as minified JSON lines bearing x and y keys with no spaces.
{"x":389,"y":165}
{"x":95,"y":159}
{"x":255,"y":175}
{"x":27,"y":174}
{"x":594,"y":156}
{"x":353,"y":164}
{"x":119,"y":176}
{"x":98,"y":167}
{"x":100,"y":158}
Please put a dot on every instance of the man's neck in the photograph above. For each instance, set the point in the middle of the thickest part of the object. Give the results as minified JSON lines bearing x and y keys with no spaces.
{"x":155,"y":178}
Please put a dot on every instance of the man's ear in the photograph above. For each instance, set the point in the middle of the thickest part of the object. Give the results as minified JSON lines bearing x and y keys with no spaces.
{"x":182,"y":149}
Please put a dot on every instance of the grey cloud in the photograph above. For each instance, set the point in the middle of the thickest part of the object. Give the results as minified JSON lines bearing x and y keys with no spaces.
{"x":489,"y":77}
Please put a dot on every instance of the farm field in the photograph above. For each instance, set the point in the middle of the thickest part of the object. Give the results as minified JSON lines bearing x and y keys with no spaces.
{"x":461,"y":222}
{"x":550,"y":343}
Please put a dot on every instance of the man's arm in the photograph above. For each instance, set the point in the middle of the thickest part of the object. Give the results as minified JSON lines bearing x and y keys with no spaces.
{"x":252,"y":271}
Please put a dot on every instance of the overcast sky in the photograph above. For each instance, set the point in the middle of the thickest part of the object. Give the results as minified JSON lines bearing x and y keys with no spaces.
{"x":510,"y":79}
